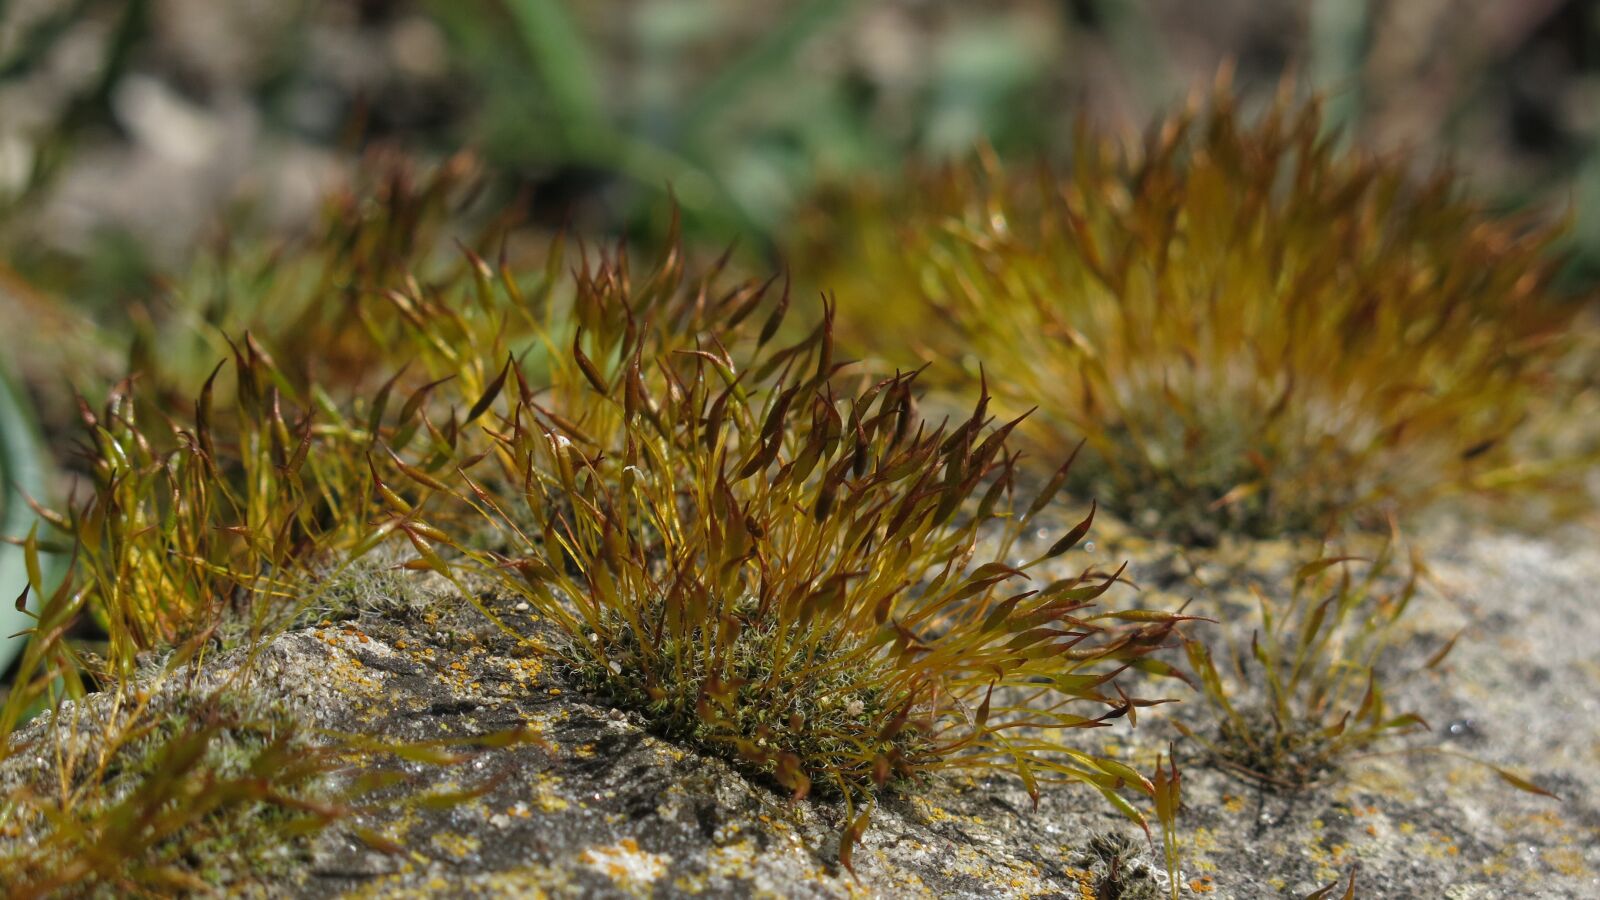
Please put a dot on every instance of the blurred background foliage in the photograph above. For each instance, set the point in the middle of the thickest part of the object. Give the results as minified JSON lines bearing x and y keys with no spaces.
{"x":135,"y":134}
{"x":129,"y":128}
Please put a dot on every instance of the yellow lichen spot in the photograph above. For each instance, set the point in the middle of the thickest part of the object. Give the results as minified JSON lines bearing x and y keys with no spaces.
{"x":1232,"y":803}
{"x":1548,"y":819}
{"x":459,"y":846}
{"x":1202,"y":842}
{"x":1500,"y":865}
{"x":525,"y":669}
{"x":1567,"y":861}
{"x":545,"y":795}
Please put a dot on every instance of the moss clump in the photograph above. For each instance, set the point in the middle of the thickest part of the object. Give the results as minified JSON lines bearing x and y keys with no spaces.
{"x":761,"y":547}
{"x":782,"y":563}
{"x":373,"y":585}
{"x":1120,"y":870}
{"x":1254,"y":331}
{"x":185,"y":792}
{"x":1305,"y":692}
{"x":832,"y":697}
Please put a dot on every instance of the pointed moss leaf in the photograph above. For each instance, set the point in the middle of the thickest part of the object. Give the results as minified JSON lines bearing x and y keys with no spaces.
{"x":489,"y":394}
{"x":852,"y":836}
{"x":1121,"y":805}
{"x":1312,"y":568}
{"x":1162,"y":669}
{"x":1071,"y":539}
{"x":1522,"y":784}
{"x":1056,"y":482}
{"x":775,"y":320}
{"x":380,"y":400}
{"x":1444,"y":651}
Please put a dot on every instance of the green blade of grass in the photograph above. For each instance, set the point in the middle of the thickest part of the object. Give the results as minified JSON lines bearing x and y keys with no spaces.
{"x":22,"y":475}
{"x":769,"y":56}
{"x":560,"y":56}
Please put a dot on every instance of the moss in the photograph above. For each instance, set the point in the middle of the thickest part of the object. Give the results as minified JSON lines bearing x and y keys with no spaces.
{"x":1117,"y":867}
{"x":822,"y":717}
{"x":185,"y":792}
{"x":1254,"y":331}
{"x":371,"y":585}
{"x":1307,"y":689}
{"x":770,"y":552}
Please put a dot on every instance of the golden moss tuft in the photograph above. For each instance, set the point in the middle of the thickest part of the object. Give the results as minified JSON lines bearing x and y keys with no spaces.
{"x":1254,"y":330}
{"x":783,"y":564}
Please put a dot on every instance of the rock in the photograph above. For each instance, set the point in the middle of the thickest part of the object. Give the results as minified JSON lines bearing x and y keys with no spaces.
{"x":596,"y":805}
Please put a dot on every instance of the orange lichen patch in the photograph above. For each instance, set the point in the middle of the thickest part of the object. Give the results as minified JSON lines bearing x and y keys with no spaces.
{"x":1441,"y":846}
{"x":933,"y":812}
{"x":730,"y":861}
{"x":1202,"y":885}
{"x":1330,"y":861}
{"x":624,"y":863}
{"x":1085,"y":882}
{"x":522,"y":670}
{"x":345,"y":669}
{"x":1232,"y":803}
{"x":1020,"y":879}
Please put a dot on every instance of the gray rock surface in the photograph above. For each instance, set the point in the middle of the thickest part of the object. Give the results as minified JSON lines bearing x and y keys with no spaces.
{"x":596,"y":805}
